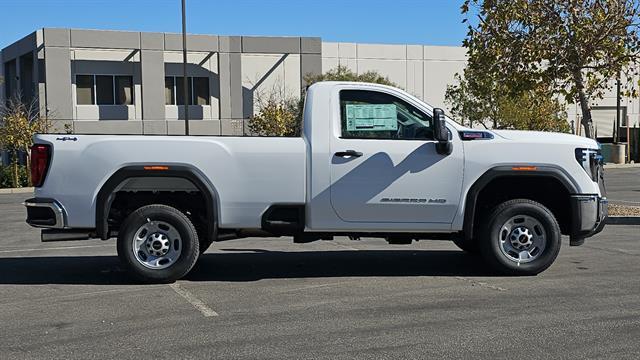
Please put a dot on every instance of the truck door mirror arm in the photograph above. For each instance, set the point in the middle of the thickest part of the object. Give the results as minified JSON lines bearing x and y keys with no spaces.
{"x":441,"y":133}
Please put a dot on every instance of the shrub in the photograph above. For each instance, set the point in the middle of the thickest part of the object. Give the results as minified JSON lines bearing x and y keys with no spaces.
{"x":6,"y":176}
{"x":280,"y":114}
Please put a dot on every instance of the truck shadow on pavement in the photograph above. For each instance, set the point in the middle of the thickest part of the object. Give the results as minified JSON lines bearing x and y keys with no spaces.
{"x":245,"y":265}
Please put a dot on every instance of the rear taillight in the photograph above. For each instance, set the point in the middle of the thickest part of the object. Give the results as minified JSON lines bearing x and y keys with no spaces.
{"x":40,"y":157}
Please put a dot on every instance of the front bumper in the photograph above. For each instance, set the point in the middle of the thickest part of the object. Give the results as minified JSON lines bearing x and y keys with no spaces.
{"x":45,"y":213}
{"x":589,"y":213}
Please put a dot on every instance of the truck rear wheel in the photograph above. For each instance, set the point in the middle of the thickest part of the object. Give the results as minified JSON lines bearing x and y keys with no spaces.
{"x":521,"y":237}
{"x":158,"y":244}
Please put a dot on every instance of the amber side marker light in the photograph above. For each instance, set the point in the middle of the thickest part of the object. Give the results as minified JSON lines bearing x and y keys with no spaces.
{"x":157,"y":168}
{"x":524,"y":168}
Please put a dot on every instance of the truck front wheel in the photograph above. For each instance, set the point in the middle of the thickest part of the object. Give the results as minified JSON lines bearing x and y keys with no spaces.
{"x":158,"y":244}
{"x":521,"y":237}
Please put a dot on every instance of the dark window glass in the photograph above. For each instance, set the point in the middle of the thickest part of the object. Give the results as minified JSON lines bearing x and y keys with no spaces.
{"x":376,"y":115}
{"x":84,"y":90}
{"x":169,"y":91}
{"x":201,"y":90}
{"x":10,"y":79}
{"x":124,"y":90}
{"x":104,"y":89}
{"x":180,"y":90}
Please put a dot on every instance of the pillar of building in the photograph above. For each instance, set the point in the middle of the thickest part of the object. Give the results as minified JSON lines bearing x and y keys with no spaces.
{"x":230,"y":71}
{"x":310,"y":58}
{"x":58,"y":80}
{"x":152,"y":83}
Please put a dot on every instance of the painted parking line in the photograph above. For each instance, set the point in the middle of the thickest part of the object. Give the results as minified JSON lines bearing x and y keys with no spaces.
{"x":311,"y":287}
{"x":335,"y":243}
{"x":193,"y":300}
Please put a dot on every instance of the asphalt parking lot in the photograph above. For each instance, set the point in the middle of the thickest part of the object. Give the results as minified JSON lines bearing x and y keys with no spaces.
{"x":270,"y":298}
{"x":623,"y":185}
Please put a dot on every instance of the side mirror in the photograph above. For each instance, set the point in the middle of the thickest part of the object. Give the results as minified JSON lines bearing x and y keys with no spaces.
{"x":440,"y":132}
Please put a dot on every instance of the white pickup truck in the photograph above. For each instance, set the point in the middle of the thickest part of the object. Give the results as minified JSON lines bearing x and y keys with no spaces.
{"x":373,"y":161}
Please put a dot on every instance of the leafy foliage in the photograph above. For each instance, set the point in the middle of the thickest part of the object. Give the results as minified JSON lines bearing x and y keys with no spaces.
{"x":343,"y":73}
{"x":491,"y":106}
{"x":279,"y":114}
{"x":19,"y":122}
{"x":532,"y":110}
{"x":7,"y":176}
{"x":575,"y":48}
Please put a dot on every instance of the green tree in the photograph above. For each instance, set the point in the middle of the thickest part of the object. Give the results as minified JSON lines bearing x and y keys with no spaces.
{"x":279,"y":114}
{"x":343,"y":73}
{"x":490,"y":105}
{"x":575,"y":47}
{"x":533,"y":110}
{"x":19,"y":122}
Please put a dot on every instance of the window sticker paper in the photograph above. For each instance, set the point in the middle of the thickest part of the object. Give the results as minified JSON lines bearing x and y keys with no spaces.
{"x":371,"y":117}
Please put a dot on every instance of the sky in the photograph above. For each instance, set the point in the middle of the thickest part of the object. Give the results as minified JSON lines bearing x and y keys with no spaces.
{"x":426,"y":22}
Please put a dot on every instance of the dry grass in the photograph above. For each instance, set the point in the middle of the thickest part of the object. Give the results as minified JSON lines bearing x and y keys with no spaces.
{"x":623,"y":210}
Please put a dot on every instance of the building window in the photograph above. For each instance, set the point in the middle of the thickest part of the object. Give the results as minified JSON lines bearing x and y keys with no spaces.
{"x":198,"y":90}
{"x":179,"y":81}
{"x":124,"y":90}
{"x":104,"y":90}
{"x":201,"y":91}
{"x":169,"y":90}
{"x":84,"y":90}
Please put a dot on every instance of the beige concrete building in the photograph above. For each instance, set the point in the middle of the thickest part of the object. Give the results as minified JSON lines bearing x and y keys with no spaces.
{"x":121,"y":82}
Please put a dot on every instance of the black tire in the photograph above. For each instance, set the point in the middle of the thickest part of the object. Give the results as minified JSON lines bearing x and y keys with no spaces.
{"x":470,"y":246}
{"x":189,"y":245}
{"x":490,"y":244}
{"x":204,"y":240}
{"x":204,"y":245}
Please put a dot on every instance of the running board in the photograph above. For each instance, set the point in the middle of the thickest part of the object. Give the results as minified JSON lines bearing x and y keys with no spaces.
{"x":50,"y":235}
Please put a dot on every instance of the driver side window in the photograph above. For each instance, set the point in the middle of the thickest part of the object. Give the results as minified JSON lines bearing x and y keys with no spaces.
{"x":368,"y":114}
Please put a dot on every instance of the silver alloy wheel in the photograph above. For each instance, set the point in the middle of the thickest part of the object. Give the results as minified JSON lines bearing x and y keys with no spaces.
{"x":157,"y":245}
{"x":522,"y":238}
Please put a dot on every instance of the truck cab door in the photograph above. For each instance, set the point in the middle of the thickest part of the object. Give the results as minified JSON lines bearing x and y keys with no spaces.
{"x":385,"y":167}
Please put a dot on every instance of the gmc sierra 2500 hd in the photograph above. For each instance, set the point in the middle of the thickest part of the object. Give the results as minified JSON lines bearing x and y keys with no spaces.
{"x":373,"y":161}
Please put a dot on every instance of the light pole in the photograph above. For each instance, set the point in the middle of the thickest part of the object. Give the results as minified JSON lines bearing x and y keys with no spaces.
{"x":185,"y":79}
{"x":617,"y":129}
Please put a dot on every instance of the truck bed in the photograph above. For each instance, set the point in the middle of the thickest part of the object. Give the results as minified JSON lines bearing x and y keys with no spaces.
{"x":247,"y":173}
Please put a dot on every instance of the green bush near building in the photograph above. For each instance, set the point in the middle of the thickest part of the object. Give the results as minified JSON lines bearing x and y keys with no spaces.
{"x":6,"y":177}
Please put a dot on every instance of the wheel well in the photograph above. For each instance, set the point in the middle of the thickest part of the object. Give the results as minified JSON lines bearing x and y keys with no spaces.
{"x":190,"y":203}
{"x":546,"y":190}
{"x":178,"y":186}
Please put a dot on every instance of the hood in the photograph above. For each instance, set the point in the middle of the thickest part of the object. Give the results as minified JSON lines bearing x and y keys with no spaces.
{"x":547,"y":138}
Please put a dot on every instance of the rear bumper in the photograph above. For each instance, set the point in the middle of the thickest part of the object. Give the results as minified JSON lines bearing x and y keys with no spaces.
{"x":589,"y":213}
{"x":45,"y":213}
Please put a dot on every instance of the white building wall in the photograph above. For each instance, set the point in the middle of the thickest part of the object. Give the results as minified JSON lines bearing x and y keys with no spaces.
{"x":265,"y":73}
{"x":426,"y":71}
{"x":423,"y":71}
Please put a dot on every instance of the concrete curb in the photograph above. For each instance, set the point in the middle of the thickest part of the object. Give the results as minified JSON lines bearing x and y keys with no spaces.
{"x":621,"y":166}
{"x":623,"y":220}
{"x":23,"y":190}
